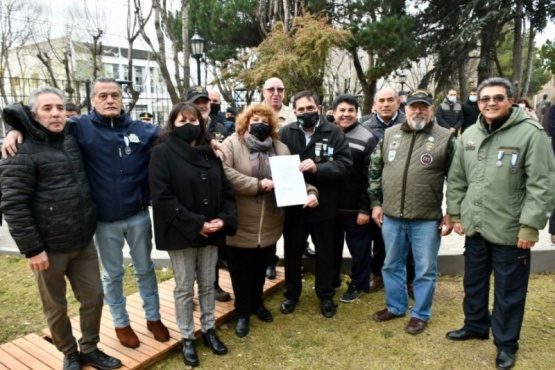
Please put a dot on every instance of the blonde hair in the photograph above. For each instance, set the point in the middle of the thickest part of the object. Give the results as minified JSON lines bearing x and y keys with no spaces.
{"x":242,"y":122}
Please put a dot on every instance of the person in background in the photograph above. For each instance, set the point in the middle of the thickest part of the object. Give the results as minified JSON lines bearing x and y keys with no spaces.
{"x":449,"y":112}
{"x":470,"y":110}
{"x":499,"y":195}
{"x":146,"y":117}
{"x":260,"y":226}
{"x":528,"y":109}
{"x":47,"y":203}
{"x":72,"y":110}
{"x":193,"y":209}
{"x":229,"y":123}
{"x":402,"y":100}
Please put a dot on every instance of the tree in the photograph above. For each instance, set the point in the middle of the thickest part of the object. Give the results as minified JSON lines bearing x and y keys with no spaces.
{"x":547,"y":54}
{"x":302,"y":55}
{"x":384,"y":33}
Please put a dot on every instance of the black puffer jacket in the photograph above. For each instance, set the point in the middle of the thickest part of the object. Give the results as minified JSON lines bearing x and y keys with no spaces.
{"x":46,"y":198}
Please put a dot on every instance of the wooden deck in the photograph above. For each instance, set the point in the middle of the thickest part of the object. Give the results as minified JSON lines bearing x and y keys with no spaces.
{"x":34,"y":352}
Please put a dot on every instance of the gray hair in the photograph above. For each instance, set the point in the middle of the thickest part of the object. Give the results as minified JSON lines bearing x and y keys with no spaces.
{"x":105,"y":80}
{"x":497,"y":81}
{"x":44,"y":90}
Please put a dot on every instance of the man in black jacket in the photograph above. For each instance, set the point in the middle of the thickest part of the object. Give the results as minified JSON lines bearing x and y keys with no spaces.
{"x":48,"y":205}
{"x":449,"y":112}
{"x":325,"y":160}
{"x":470,"y":110}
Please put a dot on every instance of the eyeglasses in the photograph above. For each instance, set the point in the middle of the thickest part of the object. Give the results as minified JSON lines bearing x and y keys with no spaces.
{"x":496,"y":98}
{"x":272,"y":90}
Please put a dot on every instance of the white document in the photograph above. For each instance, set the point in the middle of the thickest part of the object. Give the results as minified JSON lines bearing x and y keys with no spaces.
{"x":289,"y":185}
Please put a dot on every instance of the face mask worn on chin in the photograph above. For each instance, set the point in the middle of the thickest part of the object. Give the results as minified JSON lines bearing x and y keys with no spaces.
{"x":473,"y":99}
{"x":214,"y":108}
{"x":260,"y":130}
{"x":308,"y":120}
{"x":188,"y":132}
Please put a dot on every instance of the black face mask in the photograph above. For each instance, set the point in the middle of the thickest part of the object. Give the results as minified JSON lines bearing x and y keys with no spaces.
{"x":188,"y":132}
{"x":308,"y":120}
{"x":330,"y":118}
{"x":260,"y":130}
{"x":231,"y":119}
{"x":214,"y":108}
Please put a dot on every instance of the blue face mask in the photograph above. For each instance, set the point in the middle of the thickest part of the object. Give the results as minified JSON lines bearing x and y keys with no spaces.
{"x":473,"y":98}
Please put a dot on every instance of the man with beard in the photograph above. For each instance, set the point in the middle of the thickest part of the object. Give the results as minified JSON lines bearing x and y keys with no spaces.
{"x":199,"y":97}
{"x":407,"y":173}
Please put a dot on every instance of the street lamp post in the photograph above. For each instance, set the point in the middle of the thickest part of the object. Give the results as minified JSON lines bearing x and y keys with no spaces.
{"x":402,"y":80}
{"x":197,"y":49}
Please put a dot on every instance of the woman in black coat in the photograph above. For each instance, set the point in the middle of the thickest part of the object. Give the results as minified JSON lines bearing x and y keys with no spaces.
{"x":194,"y":209}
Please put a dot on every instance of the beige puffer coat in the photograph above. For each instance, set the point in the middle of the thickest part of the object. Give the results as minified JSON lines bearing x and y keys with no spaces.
{"x":257,"y":225}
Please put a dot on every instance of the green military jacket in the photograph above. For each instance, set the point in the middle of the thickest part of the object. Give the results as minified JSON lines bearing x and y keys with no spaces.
{"x":408,"y":169}
{"x":501,"y":185}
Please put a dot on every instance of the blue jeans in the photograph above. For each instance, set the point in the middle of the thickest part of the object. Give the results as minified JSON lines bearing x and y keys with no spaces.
{"x":109,"y":239}
{"x":424,"y":236}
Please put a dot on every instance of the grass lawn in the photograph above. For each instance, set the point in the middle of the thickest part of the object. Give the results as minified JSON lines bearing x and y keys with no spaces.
{"x":307,"y":340}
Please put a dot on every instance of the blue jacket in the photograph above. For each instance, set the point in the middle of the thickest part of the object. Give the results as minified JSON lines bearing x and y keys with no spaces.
{"x":116,"y":153}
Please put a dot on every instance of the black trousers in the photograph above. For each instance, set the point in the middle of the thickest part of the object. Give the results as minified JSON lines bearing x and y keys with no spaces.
{"x":247,"y":267}
{"x":295,"y":234}
{"x":511,"y":269}
{"x":378,"y":254}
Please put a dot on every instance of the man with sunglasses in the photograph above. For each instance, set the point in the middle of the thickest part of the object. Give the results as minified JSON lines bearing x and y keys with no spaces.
{"x":499,"y":195}
{"x":407,"y":174}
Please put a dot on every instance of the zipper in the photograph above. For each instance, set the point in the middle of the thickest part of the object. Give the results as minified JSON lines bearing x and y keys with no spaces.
{"x":261,"y":221}
{"x":79,"y":195}
{"x":115,"y":169}
{"x":404,"y":188}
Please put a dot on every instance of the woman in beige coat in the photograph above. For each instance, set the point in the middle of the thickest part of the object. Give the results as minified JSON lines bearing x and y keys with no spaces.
{"x":247,"y":168}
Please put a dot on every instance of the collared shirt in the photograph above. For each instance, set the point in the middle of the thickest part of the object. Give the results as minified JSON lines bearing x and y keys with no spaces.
{"x":286,"y":115}
{"x":308,"y":136}
{"x":391,"y":123}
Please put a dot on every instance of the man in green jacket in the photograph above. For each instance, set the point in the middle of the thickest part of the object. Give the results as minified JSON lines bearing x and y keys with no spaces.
{"x":500,"y":194}
{"x":407,"y":174}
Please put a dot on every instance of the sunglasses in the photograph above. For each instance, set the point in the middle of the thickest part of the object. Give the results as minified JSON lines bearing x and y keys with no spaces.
{"x":274,"y":89}
{"x":496,"y":98}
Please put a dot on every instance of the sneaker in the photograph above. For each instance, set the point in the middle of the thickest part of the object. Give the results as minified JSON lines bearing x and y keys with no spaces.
{"x":221,"y":295}
{"x":72,"y":361}
{"x":351,"y":294}
{"x":99,"y":360}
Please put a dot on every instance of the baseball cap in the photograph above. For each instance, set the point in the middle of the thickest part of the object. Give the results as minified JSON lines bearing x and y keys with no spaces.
{"x":231,"y":110}
{"x":196,"y":92}
{"x":402,"y":92}
{"x":420,"y":96}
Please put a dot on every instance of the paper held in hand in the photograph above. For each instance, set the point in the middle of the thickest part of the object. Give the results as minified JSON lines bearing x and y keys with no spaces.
{"x":289,"y":185}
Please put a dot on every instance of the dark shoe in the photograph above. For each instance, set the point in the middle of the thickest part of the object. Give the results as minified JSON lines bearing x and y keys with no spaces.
{"x":72,"y":361}
{"x":410,"y":290}
{"x":127,"y":337}
{"x":328,"y":308}
{"x":221,"y":295}
{"x":309,"y":252}
{"x":99,"y":360}
{"x":351,"y":294}
{"x":159,"y":330}
{"x":223,"y":264}
{"x":288,"y":306}
{"x":263,"y":314}
{"x":210,"y":338}
{"x":375,"y":284}
{"x":271,"y":272}
{"x":462,"y":334}
{"x":190,"y":356}
{"x":415,"y":326}
{"x":242,"y":327}
{"x":384,"y":315}
{"x":505,"y":360}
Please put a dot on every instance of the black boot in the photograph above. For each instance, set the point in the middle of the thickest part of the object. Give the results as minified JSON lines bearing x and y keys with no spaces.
{"x":190,"y":352}
{"x":242,"y":327}
{"x":211,"y":339}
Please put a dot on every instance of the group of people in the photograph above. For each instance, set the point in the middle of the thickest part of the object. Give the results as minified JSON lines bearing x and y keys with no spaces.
{"x":372,"y":183}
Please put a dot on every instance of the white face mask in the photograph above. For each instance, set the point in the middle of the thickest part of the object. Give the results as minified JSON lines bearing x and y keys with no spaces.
{"x":452,"y":99}
{"x":473,"y":98}
{"x":522,"y":106}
